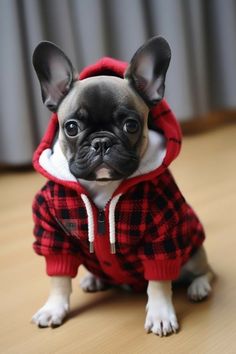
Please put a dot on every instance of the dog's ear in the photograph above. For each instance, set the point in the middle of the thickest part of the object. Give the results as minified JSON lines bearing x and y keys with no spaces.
{"x":147,"y":69}
{"x":55,"y":73}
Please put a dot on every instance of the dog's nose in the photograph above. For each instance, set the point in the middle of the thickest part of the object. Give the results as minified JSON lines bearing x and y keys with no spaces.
{"x":101,"y":145}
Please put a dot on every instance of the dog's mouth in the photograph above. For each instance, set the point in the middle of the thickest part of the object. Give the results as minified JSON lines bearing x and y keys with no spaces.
{"x":103,"y":160}
{"x":103,"y":170}
{"x":104,"y":157}
{"x":101,"y":173}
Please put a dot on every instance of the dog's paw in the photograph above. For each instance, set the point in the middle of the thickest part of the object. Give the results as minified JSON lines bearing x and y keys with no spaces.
{"x":52,"y":313}
{"x":161,"y":320}
{"x":199,"y":289}
{"x":90,"y":283}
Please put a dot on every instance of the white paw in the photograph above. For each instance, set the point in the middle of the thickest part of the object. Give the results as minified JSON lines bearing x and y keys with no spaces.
{"x":199,"y":289}
{"x":52,"y":313}
{"x":161,"y":319}
{"x":90,"y":283}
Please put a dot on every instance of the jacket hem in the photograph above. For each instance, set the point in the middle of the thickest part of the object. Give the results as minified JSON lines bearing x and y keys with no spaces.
{"x":162,"y":270}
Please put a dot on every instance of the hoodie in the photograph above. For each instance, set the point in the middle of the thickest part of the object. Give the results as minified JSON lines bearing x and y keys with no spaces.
{"x":143,"y":229}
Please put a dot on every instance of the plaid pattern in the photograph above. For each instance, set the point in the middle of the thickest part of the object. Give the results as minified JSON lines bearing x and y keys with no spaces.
{"x":156,"y":232}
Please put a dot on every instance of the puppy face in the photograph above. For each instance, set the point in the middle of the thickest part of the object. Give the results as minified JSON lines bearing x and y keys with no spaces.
{"x":103,"y":129}
{"x":103,"y":119}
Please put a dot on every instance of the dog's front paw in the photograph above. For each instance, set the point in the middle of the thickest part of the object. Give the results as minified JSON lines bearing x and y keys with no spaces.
{"x":52,"y":313}
{"x":161,"y":319}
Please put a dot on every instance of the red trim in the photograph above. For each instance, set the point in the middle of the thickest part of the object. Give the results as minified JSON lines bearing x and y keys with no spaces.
{"x":103,"y":66}
{"x":162,"y":270}
{"x":62,"y":264}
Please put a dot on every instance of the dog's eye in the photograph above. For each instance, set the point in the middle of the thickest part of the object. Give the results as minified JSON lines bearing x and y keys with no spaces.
{"x":131,"y":126}
{"x":71,"y":128}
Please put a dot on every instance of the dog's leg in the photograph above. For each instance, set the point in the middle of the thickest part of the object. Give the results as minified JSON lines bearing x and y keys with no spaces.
{"x":201,"y":275}
{"x":90,"y":283}
{"x":161,"y":318}
{"x":57,"y":305}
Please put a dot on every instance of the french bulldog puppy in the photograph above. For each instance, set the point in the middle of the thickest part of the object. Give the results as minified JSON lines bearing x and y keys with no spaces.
{"x":104,"y":141}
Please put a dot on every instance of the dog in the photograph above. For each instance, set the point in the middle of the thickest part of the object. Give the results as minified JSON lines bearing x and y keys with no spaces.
{"x":111,"y":203}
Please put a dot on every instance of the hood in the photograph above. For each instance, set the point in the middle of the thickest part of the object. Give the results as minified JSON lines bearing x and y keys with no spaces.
{"x":163,"y":120}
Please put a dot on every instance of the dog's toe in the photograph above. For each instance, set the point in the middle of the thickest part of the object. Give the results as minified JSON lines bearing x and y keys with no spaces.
{"x":44,"y":319}
{"x":166,"y":327}
{"x":161,"y":327}
{"x":56,"y":321}
{"x":157,"y":328}
{"x":148,"y":325}
{"x":41,"y":318}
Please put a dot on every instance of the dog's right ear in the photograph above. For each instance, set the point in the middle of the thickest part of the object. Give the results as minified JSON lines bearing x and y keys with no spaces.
{"x":55,"y":73}
{"x":147,"y":70}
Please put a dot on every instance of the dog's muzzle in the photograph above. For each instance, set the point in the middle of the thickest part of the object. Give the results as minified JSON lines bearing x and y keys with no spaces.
{"x":103,"y":157}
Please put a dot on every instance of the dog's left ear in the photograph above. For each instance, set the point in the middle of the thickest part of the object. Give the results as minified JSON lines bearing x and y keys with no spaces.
{"x":55,"y":73}
{"x":147,"y":70}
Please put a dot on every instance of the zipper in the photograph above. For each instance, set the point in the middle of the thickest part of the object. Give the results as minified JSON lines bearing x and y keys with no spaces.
{"x":62,"y":226}
{"x":101,"y":225}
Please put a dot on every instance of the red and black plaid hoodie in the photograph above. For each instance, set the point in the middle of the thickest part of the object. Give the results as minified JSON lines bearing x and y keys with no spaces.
{"x":147,"y":231}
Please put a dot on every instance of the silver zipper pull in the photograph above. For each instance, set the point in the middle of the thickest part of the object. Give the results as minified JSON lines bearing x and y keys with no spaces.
{"x":91,"y":247}
{"x":113,"y":248}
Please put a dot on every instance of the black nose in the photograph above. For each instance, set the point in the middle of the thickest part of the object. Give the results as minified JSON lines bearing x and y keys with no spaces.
{"x":101,"y":145}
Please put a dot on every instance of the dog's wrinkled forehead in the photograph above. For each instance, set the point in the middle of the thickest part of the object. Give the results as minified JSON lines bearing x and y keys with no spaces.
{"x":101,"y":96}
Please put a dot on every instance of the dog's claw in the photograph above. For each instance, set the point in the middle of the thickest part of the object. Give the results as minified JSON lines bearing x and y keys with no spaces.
{"x":162,"y":327}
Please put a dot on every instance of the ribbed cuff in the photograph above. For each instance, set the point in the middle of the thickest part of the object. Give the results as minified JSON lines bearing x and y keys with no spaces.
{"x":161,"y":270}
{"x":64,"y":265}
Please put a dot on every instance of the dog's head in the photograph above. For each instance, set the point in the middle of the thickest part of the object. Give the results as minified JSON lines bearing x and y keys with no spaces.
{"x":103,"y":119}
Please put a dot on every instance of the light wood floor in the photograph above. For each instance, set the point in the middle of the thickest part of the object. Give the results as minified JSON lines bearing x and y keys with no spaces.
{"x":112,"y":322}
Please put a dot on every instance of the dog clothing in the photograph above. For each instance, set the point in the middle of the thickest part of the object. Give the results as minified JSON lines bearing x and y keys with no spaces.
{"x":146,"y":230}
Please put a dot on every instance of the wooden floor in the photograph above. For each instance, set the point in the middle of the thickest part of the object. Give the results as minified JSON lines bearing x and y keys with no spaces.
{"x":112,"y":322}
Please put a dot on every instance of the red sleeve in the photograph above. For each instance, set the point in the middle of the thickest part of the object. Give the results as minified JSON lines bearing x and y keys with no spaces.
{"x":51,"y":242}
{"x":162,"y":256}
